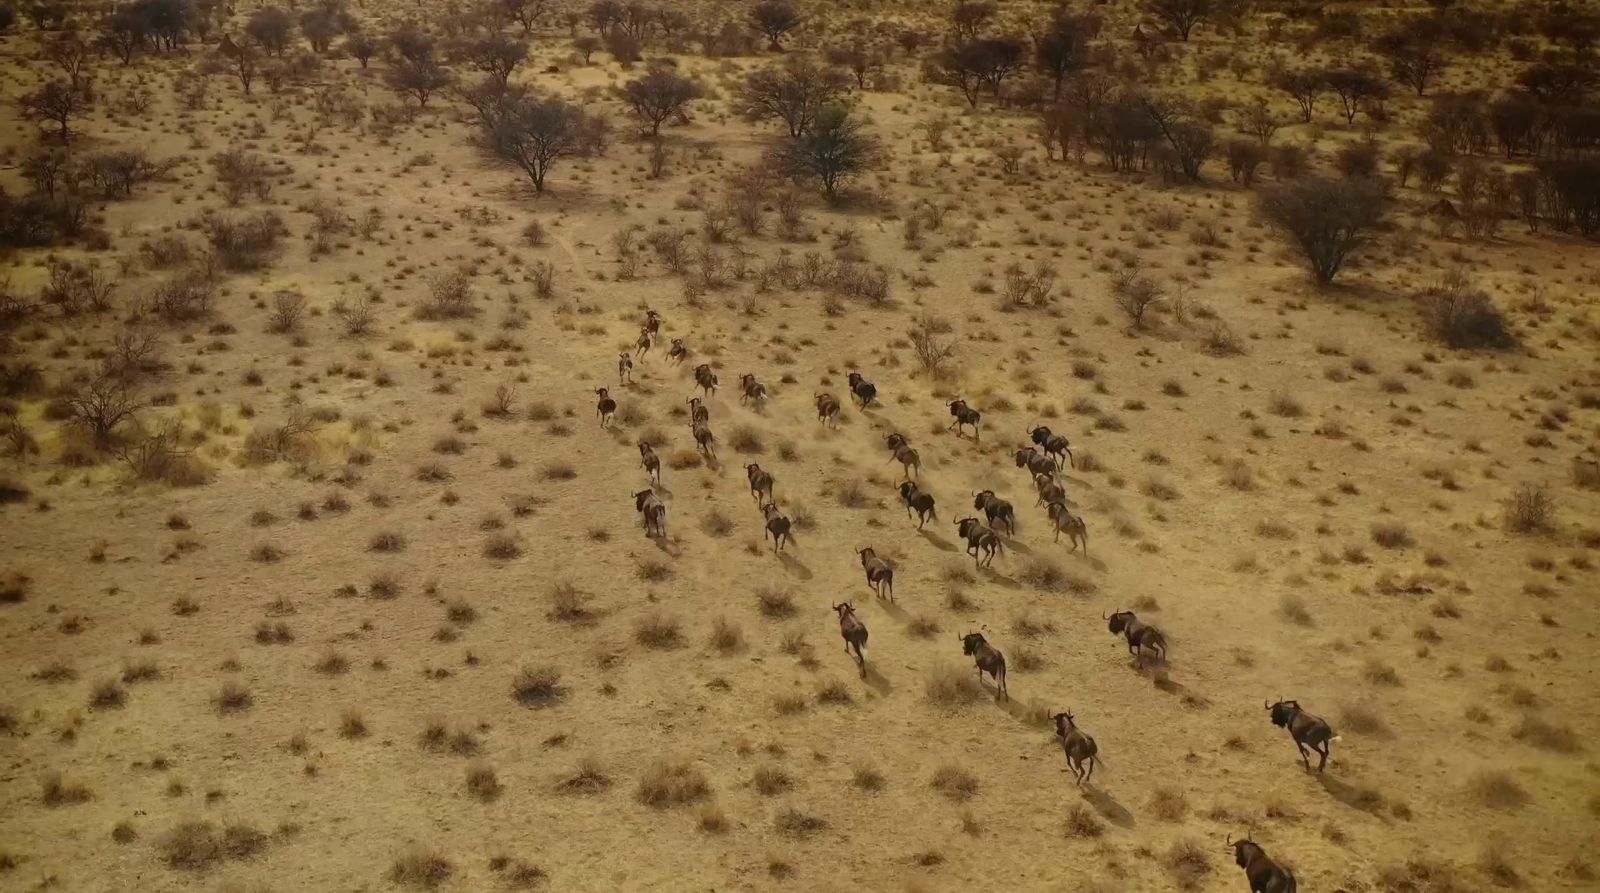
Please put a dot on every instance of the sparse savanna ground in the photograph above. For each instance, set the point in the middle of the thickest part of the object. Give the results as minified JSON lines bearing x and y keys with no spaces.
{"x":319,"y":572}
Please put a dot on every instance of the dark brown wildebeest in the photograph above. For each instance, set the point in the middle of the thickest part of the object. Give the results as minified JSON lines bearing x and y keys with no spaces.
{"x":760,"y":482}
{"x":1064,"y":520}
{"x":778,"y":527}
{"x":678,"y":352}
{"x":915,"y":498}
{"x":1264,"y":875}
{"x":908,"y":459}
{"x":698,"y":412}
{"x":1054,"y":445}
{"x":989,"y":660}
{"x":642,"y":346}
{"x":1036,"y":462}
{"x":605,"y":407}
{"x":750,"y":389}
{"x":996,"y":509}
{"x":854,"y":633}
{"x":862,"y":390}
{"x":827,"y":409}
{"x":650,"y":461}
{"x":880,"y":576}
{"x":1310,"y":732}
{"x":624,"y":369}
{"x":652,"y":322}
{"x":964,"y":416}
{"x":646,"y":503}
{"x":1140,"y":635}
{"x":1078,"y":746}
{"x":1049,"y":489}
{"x":895,"y":441}
{"x":704,"y":440}
{"x":979,"y":537}
{"x":706,"y":379}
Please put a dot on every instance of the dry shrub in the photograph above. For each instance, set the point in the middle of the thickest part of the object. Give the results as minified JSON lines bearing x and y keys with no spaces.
{"x":834,"y":692}
{"x":199,"y":845}
{"x":951,"y":686}
{"x":54,"y":790}
{"x":1419,"y":876}
{"x":868,"y":778}
{"x":233,"y":698}
{"x":1361,"y":719}
{"x":775,"y":603}
{"x":1497,"y":864}
{"x":566,"y":604}
{"x":537,"y":686}
{"x":1530,"y":509}
{"x":1547,"y":735}
{"x":1293,"y":609}
{"x":1082,"y":823}
{"x":954,"y":782}
{"x":482,"y":782}
{"x":790,"y":704}
{"x":717,"y":524}
{"x":14,"y":588}
{"x":725,"y":636}
{"x":652,"y":570}
{"x":1169,"y":805}
{"x":107,"y":695}
{"x":670,"y":783}
{"x":771,"y":781}
{"x":1497,"y":789}
{"x":501,"y":547}
{"x":1048,"y":576}
{"x":421,"y":870}
{"x":1188,"y":863}
{"x":794,"y":823}
{"x":588,"y":778}
{"x":1392,"y":535}
{"x":747,"y":440}
{"x":658,"y":631}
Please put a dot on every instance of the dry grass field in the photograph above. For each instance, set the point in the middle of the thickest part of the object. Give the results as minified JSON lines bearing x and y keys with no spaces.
{"x":320,"y":569}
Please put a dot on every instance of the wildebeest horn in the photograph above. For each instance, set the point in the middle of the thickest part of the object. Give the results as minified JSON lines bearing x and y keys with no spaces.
{"x":1266,"y":705}
{"x":1104,"y":616}
{"x":1230,"y":840}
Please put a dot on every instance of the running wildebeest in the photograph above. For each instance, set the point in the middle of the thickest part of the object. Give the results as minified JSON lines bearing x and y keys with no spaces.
{"x":979,"y":537}
{"x":994,"y":508}
{"x":964,"y":416}
{"x":751,"y":389}
{"x":1264,"y":875}
{"x":827,"y":409}
{"x":915,"y":498}
{"x":989,"y":660}
{"x":1140,"y":635}
{"x":698,"y":412}
{"x":704,"y":440}
{"x":1054,"y":445}
{"x":642,"y":346}
{"x":908,"y":459}
{"x":1036,"y":462}
{"x":862,"y":390}
{"x":854,"y":633}
{"x":678,"y":352}
{"x":652,"y":322}
{"x":895,"y":441}
{"x":605,"y":407}
{"x":777,"y":525}
{"x":706,"y":379}
{"x":650,"y":461}
{"x":646,"y":503}
{"x":1078,"y":746}
{"x":880,"y":576}
{"x":1063,"y":520}
{"x":1049,"y":490}
{"x":1309,"y":731}
{"x":624,"y":369}
{"x":760,"y":482}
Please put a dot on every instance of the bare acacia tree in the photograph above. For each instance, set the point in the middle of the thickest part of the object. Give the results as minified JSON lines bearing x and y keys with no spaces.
{"x":1326,"y":220}
{"x":1182,"y":15}
{"x":933,"y":349}
{"x":794,"y":92}
{"x":970,"y":16}
{"x":659,"y":95}
{"x":534,"y":134}
{"x":57,"y":102}
{"x":102,"y":406}
{"x":833,"y":150}
{"x":497,"y":55}
{"x":774,"y":19}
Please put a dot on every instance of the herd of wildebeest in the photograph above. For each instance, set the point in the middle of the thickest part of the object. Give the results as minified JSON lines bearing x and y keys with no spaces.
{"x":1044,"y":459}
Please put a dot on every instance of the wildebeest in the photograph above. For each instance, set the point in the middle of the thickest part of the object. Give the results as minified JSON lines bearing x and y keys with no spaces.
{"x":1264,"y":875}
{"x":827,"y":409}
{"x":989,"y":660}
{"x":908,"y":459}
{"x":760,"y":482}
{"x":778,"y":527}
{"x":646,"y":340}
{"x":1078,"y":746}
{"x":1053,"y":444}
{"x":964,"y":416}
{"x":624,"y":369}
{"x":922,"y":502}
{"x":854,"y":633}
{"x":862,"y":390}
{"x":650,"y":461}
{"x":1036,"y":462}
{"x":751,"y":389}
{"x":979,"y":537}
{"x":895,"y":440}
{"x":605,"y":407}
{"x":1050,"y":490}
{"x":698,"y":411}
{"x":880,"y":576}
{"x":652,"y":322}
{"x":1140,"y":635}
{"x":678,"y":352}
{"x":1063,"y":520}
{"x":706,"y":379}
{"x":704,"y":440}
{"x":646,"y":503}
{"x":1309,"y":731}
{"x":995,"y":509}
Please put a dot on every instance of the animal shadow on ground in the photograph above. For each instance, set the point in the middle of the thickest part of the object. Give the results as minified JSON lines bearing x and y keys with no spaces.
{"x":1017,"y":546}
{"x":877,"y":681}
{"x":894,"y":610}
{"x":937,"y":541}
{"x":667,"y":546}
{"x":1107,"y":806}
{"x":1363,"y":799}
{"x":794,"y":566}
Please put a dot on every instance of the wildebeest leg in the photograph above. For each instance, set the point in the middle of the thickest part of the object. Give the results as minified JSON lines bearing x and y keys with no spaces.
{"x":1322,"y":749}
{"x":1090,"y":774}
{"x":1304,"y":757}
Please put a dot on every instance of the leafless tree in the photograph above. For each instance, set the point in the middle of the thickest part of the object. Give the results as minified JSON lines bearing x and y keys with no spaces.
{"x":659,"y":95}
{"x":1326,"y":220}
{"x":794,"y":92}
{"x":933,"y":347}
{"x":534,"y":134}
{"x":104,"y":405}
{"x":57,"y":102}
{"x":834,"y":149}
{"x":774,"y":19}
